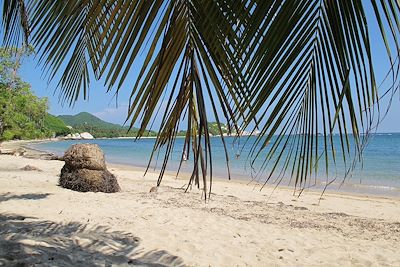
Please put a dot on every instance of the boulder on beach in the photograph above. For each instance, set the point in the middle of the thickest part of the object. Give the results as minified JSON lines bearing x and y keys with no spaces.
{"x":86,"y":136}
{"x":76,"y":136}
{"x":85,"y":180}
{"x":85,"y":156}
{"x":85,"y":170}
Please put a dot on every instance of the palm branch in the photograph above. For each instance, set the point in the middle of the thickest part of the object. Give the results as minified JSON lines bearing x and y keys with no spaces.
{"x":290,"y":69}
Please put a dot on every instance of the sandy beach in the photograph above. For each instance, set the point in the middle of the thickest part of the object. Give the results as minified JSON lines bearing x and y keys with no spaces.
{"x":44,"y":224}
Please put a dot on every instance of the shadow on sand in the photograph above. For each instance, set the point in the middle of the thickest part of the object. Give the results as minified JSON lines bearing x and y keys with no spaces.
{"x":9,"y":196}
{"x":26,"y":241}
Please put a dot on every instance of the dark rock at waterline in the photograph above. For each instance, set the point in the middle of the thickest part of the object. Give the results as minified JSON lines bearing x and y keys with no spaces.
{"x":85,"y":170}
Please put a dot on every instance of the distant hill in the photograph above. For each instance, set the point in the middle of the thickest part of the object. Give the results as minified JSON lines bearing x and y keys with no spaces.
{"x":85,"y":118}
{"x":55,"y":125}
{"x":86,"y":122}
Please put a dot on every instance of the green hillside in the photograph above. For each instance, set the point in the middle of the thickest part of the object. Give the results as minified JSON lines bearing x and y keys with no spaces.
{"x":85,"y":118}
{"x":86,"y":122}
{"x":55,"y":125}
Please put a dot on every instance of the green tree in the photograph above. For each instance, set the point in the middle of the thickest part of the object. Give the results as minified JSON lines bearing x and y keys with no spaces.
{"x":288,"y":68}
{"x":22,"y":113}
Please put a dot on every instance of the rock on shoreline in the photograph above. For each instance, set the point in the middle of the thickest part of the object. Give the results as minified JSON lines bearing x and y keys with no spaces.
{"x":79,"y":136}
{"x":85,"y":170}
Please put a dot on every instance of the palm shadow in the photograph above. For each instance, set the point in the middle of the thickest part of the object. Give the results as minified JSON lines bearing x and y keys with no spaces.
{"x":26,"y":241}
{"x":9,"y":196}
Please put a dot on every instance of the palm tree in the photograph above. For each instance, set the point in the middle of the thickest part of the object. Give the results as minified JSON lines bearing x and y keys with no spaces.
{"x":293,"y":69}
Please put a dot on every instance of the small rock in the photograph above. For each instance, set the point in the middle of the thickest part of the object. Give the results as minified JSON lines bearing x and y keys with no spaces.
{"x":154,"y":189}
{"x":300,"y":208}
{"x":30,"y":168}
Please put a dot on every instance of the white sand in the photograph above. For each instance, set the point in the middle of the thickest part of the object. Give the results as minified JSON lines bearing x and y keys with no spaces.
{"x":45,"y":224}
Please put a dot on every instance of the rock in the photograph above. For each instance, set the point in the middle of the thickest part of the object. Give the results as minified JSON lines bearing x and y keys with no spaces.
{"x":76,"y":136}
{"x":154,"y":189}
{"x":300,"y":208}
{"x":85,"y":170}
{"x":85,"y":180}
{"x":20,"y":152}
{"x":85,"y":156}
{"x":30,"y":168}
{"x":86,"y":135}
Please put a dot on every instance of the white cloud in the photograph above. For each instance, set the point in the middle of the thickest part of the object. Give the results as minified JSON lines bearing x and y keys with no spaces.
{"x":113,"y":114}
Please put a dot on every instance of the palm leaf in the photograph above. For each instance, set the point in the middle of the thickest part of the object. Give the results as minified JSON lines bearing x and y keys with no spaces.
{"x":299,"y":71}
{"x":15,"y":22}
{"x":312,"y":65}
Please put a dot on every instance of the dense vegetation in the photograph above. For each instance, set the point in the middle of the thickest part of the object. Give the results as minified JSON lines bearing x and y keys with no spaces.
{"x":22,"y":114}
{"x":56,"y":125}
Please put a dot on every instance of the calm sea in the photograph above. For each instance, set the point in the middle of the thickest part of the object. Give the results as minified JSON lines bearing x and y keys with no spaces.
{"x":379,"y":173}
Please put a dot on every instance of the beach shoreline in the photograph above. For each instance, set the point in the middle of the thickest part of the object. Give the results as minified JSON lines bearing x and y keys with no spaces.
{"x":238,"y":226}
{"x":346,"y":188}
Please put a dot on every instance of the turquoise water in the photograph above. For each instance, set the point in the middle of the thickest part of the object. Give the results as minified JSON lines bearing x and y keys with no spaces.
{"x":379,"y":173}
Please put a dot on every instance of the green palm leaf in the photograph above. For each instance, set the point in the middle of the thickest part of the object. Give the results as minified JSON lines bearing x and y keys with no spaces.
{"x":292,"y":69}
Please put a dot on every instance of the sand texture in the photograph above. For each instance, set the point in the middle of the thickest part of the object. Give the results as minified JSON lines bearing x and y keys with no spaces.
{"x":42,"y":224}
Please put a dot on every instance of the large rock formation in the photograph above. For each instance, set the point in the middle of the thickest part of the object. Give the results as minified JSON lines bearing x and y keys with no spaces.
{"x":85,"y":170}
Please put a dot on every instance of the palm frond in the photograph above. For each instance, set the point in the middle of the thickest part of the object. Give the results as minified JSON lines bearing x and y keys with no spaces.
{"x":310,"y":76}
{"x":15,"y":22}
{"x":299,"y":71}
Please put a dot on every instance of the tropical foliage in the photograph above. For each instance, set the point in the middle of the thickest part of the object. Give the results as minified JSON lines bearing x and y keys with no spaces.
{"x":288,"y":68}
{"x":56,"y":126}
{"x":22,"y":114}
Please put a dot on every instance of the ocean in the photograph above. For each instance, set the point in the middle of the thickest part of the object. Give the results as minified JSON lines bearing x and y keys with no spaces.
{"x":378,"y":174}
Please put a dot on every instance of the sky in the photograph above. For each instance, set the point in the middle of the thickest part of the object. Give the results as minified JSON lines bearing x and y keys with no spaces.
{"x":104,"y":105}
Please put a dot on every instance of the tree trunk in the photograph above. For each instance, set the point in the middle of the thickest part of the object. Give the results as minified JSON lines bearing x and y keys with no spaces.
{"x":1,"y":128}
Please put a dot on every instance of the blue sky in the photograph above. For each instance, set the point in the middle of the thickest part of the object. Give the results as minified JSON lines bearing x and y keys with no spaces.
{"x":103,"y":104}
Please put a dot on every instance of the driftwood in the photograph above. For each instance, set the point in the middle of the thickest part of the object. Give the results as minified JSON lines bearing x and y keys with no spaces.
{"x":14,"y":152}
{"x":44,"y":156}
